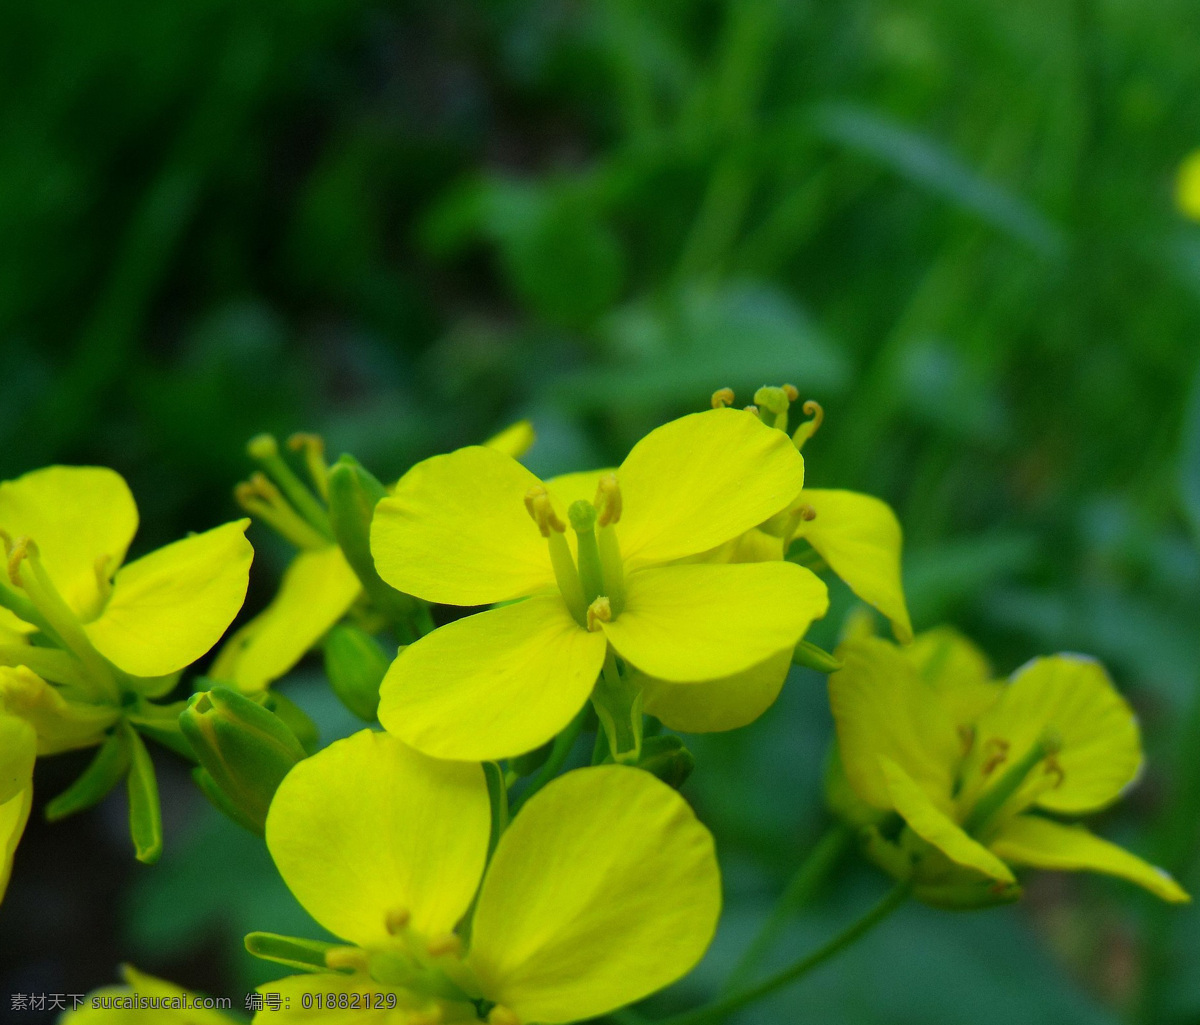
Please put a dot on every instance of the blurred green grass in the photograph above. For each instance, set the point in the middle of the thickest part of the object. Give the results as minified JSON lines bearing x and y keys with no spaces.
{"x":405,"y":225}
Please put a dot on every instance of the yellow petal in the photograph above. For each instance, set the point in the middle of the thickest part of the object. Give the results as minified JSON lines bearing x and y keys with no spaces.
{"x":691,"y":623}
{"x":934,"y":826}
{"x":18,"y":751}
{"x":514,"y":441}
{"x":14,"y":813}
{"x":882,"y":707}
{"x":372,"y":999}
{"x":725,"y":704}
{"x":604,"y":889}
{"x":1040,"y":843}
{"x":60,"y":725}
{"x":368,"y":827}
{"x":76,"y":515}
{"x":957,"y":671}
{"x":456,"y":531}
{"x":493,"y":685}
{"x":170,"y":607}
{"x":859,"y":536}
{"x":698,"y":481}
{"x":573,"y":487}
{"x":317,"y":590}
{"x":1072,"y":696}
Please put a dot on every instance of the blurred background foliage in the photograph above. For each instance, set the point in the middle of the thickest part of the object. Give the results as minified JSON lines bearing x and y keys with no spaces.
{"x":405,"y":225}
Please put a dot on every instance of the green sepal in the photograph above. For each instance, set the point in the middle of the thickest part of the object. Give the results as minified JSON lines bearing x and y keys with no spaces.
{"x":208,"y":787}
{"x":353,"y":495}
{"x":296,"y":719}
{"x":161,"y":724}
{"x":145,"y":814}
{"x":307,"y":955}
{"x":810,"y":656}
{"x":666,"y":757}
{"x":95,"y":782}
{"x":498,"y":797}
{"x":355,"y":664}
{"x":246,"y":749}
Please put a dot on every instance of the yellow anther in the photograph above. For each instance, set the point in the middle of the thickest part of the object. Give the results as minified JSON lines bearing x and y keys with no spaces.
{"x":806,"y":430}
{"x":23,"y":548}
{"x":752,"y":409}
{"x":608,"y":499}
{"x":722,"y":397}
{"x":806,"y":513}
{"x":313,"y":448}
{"x":447,"y":943}
{"x":501,"y":1015}
{"x":257,"y":491}
{"x":347,"y":957}
{"x":1053,"y":768}
{"x":397,"y":920}
{"x":792,"y":392}
{"x":995,"y":755}
{"x":600,"y":611}
{"x":262,"y":446}
{"x":537,"y":501}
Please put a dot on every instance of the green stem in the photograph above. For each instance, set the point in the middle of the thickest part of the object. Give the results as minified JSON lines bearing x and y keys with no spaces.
{"x":717,"y":1010}
{"x":799,"y":891}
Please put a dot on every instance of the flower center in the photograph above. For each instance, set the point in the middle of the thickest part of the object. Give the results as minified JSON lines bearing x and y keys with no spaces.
{"x":592,"y":582}
{"x":1022,"y":776}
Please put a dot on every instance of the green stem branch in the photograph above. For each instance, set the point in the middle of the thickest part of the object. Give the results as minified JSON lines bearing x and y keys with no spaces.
{"x":717,"y":1010}
{"x":799,"y":891}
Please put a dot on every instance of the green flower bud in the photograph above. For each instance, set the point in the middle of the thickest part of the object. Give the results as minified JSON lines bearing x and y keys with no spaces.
{"x":355,"y":664}
{"x":353,"y":495}
{"x":810,"y":656}
{"x":245,"y":749}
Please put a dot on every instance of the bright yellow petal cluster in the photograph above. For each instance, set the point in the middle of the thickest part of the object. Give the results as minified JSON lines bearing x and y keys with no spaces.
{"x":474,"y":528}
{"x":115,"y":1005}
{"x":149,"y":618}
{"x":970,"y":767}
{"x":603,"y":889}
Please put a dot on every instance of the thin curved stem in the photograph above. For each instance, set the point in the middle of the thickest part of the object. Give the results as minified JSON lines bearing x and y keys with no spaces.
{"x":799,"y":891}
{"x":717,"y":1010}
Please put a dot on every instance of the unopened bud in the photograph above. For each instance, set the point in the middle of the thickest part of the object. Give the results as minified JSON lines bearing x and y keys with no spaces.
{"x":355,"y":664}
{"x":245,"y":749}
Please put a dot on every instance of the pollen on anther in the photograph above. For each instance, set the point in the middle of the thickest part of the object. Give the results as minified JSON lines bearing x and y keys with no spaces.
{"x":608,"y":499}
{"x":23,"y":548}
{"x":448,"y":943}
{"x":722,"y":397}
{"x":540,"y":508}
{"x":501,"y":1015}
{"x":807,"y":513}
{"x":792,"y":392}
{"x":397,"y":920}
{"x":600,"y":611}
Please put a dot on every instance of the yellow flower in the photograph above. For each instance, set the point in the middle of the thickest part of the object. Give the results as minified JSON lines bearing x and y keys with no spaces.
{"x":318,"y":587}
{"x":67,"y":529}
{"x":603,"y":889}
{"x":146,"y":1000}
{"x":1187,"y":186}
{"x":18,"y":749}
{"x":457,"y":530}
{"x":974,"y":768}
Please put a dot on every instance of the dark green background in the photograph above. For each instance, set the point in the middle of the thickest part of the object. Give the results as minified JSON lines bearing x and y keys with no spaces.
{"x":405,"y":225}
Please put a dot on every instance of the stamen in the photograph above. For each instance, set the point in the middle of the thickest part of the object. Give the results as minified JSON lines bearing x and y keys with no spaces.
{"x":448,"y":943}
{"x":754,"y":410}
{"x":397,"y":920}
{"x":999,"y":794}
{"x":501,"y":1015}
{"x":263,"y":500}
{"x":600,"y":611}
{"x":806,"y":430}
{"x":995,"y":755}
{"x":722,"y":397}
{"x":264,"y":450}
{"x":792,"y":392}
{"x":608,"y":500}
{"x":313,"y":448}
{"x":25,"y":548}
{"x":806,"y":512}
{"x":537,"y":501}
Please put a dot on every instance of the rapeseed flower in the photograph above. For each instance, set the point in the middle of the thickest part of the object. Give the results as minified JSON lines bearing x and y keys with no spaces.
{"x":458,"y":530}
{"x":602,"y":890}
{"x":319,"y":586}
{"x":973,"y":772}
